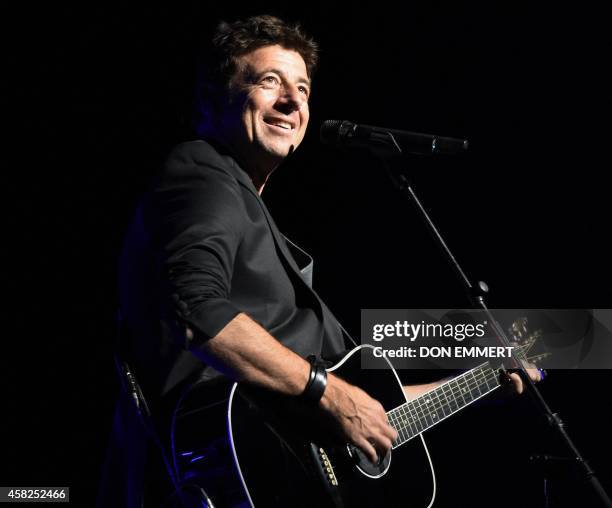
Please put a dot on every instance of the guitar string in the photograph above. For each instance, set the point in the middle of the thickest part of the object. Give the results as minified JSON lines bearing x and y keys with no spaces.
{"x":435,"y":401}
{"x":429,"y":405}
{"x":471,"y":383}
{"x":407,"y":418}
{"x":426,"y":415}
{"x":425,"y":409}
{"x":413,"y":417}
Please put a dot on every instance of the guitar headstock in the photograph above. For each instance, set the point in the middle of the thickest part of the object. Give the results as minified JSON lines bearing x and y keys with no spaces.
{"x":525,"y":340}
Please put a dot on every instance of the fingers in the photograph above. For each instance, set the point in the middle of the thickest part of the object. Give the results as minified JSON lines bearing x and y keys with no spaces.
{"x":361,"y":419}
{"x":385,"y":427}
{"x":534,"y":373}
{"x":384,"y":438}
{"x":375,"y":446}
{"x":379,"y":439}
{"x":368,"y":449}
{"x":379,"y":434}
{"x":382,"y":443}
{"x":517,"y":382}
{"x":387,"y":433}
{"x":392,"y":433}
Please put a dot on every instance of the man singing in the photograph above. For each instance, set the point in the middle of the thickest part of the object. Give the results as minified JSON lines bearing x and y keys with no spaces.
{"x":211,"y":292}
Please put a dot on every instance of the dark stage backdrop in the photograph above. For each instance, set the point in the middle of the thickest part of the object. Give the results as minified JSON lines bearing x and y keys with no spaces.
{"x":102,"y":92}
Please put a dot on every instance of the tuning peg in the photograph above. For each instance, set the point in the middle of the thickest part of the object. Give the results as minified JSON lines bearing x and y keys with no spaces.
{"x":518,"y":329}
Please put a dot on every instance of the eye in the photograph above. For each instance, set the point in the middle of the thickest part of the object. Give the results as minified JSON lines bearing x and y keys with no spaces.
{"x":270,"y":80}
{"x":304,"y":90}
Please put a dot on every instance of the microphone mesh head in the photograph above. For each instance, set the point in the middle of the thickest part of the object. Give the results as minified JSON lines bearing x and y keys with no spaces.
{"x":329,"y":131}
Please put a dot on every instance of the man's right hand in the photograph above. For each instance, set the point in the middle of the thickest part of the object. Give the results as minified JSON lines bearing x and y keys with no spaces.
{"x":263,"y":361}
{"x":360,"y":419}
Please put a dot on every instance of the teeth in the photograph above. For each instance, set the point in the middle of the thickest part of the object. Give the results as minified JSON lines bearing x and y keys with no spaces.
{"x":284,"y":125}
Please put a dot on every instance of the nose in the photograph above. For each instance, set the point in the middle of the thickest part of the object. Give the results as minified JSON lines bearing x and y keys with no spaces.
{"x":290,"y":99}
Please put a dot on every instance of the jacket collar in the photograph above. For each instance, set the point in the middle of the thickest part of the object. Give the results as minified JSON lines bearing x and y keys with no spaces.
{"x":244,"y":179}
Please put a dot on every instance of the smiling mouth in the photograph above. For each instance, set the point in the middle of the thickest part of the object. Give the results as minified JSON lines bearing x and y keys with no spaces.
{"x":280,"y":124}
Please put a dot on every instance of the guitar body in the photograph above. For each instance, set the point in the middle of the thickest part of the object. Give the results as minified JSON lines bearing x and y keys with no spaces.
{"x":284,"y":458}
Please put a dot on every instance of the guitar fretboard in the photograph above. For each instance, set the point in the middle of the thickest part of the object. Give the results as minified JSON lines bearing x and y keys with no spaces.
{"x":418,"y":415}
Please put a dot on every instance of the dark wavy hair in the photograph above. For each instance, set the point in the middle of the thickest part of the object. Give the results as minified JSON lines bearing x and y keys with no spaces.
{"x":219,"y":62}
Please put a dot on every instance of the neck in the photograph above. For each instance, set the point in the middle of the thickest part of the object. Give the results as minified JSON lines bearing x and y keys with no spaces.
{"x":258,"y":168}
{"x":418,"y":415}
{"x":259,"y":178}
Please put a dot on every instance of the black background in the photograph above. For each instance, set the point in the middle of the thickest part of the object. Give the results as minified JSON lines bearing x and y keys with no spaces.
{"x":99,"y":95}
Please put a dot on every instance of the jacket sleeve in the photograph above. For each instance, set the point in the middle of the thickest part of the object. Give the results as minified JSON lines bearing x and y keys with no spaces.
{"x":195,"y":221}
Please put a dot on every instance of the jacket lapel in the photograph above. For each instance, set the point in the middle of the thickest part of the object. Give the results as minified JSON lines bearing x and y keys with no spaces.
{"x":279,"y":239}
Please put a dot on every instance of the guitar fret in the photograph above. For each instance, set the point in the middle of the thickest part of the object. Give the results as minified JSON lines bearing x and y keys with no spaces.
{"x":403,"y":432}
{"x":445,"y":403}
{"x":414,"y":416}
{"x":410,"y":420}
{"x":426,"y":411}
{"x":461,"y":399}
{"x":441,"y":411}
{"x":435,"y":415}
{"x":452,"y":404}
{"x":397,"y":423}
{"x":467,"y":392}
{"x":475,"y":392}
{"x":391,"y":419}
{"x":417,"y":419}
{"x":421,"y":413}
{"x":493,"y":382}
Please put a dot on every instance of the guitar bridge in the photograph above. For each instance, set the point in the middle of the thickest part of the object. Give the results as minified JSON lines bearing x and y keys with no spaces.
{"x":323,"y":468}
{"x":327,"y":467}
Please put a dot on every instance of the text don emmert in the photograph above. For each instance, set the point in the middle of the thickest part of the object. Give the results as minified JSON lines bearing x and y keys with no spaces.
{"x":445,"y":352}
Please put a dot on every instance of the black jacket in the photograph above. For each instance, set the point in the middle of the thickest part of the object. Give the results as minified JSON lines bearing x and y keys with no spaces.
{"x":202,"y":248}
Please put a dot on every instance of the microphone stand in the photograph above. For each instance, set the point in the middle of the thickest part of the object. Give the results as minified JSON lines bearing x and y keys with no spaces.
{"x":389,"y":151}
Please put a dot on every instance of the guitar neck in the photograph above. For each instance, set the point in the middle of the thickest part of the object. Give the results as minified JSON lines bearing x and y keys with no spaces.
{"x":418,"y":415}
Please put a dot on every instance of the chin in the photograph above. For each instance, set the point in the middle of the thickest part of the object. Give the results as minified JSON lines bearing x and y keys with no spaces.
{"x":278,"y":150}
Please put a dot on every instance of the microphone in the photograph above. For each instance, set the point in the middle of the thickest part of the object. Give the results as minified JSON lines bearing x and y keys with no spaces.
{"x":345,"y":133}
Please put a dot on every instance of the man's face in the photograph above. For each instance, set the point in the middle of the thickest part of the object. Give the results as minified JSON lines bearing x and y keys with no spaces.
{"x":269,"y":113}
